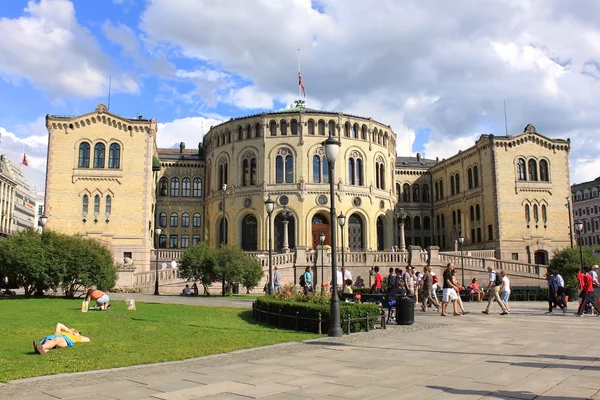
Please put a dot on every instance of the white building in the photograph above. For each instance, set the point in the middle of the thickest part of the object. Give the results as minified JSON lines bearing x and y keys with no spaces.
{"x":24,"y":207}
{"x":7,"y":196}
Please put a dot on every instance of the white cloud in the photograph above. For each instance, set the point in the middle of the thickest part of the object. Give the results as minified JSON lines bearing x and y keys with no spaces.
{"x":249,"y":98}
{"x":189,"y":130}
{"x":48,"y":48}
{"x":446,"y":147}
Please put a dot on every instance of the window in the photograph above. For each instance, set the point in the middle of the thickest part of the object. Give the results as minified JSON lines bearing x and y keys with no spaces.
{"x":331,"y":128}
{"x":321,"y":127}
{"x":544,"y":214}
{"x":457,"y":181}
{"x":114,"y":156}
{"x":258,"y":130}
{"x":96,"y":205}
{"x":441,"y":189}
{"x":174,"y":187}
{"x":475,"y":176}
{"x":174,"y":220}
{"x":283,"y":127}
{"x":354,"y":133}
{"x":294,"y":127}
{"x":162,"y":219}
{"x":416,"y":193}
{"x":364,"y":132}
{"x":222,"y":177}
{"x":196,"y":220}
{"x":527,"y":213}
{"x":544,"y":176}
{"x":472,"y":213}
{"x":311,"y":127}
{"x":355,"y":169}
{"x":425,"y":198}
{"x":173,"y":241}
{"x":417,"y":224}
{"x":473,"y":237}
{"x":108,"y":206}
{"x":380,"y":174}
{"x":99,"y":149}
{"x":249,"y":169}
{"x":521,"y":172}
{"x":240,"y":137}
{"x":478,"y":235}
{"x":515,"y":256}
{"x":273,"y":128}
{"x":490,"y":232}
{"x":535,"y":213}
{"x":452,"y":185}
{"x":320,"y":168}
{"x":84,"y":155}
{"x":426,"y":223}
{"x":284,"y":167}
{"x":162,"y":241}
{"x":186,"y":187}
{"x":197,"y":188}
{"x":185,"y":221}
{"x":436,"y":189}
{"x":162,"y":186}
{"x":532,"y":167}
{"x":195,"y":239}
{"x":184,"y":241}
{"x":347,"y":129}
{"x":84,"y":205}
{"x":477,"y":212}
{"x":470,"y":178}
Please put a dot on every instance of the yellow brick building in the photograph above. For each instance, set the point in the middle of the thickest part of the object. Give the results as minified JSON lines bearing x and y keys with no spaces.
{"x":489,"y":192}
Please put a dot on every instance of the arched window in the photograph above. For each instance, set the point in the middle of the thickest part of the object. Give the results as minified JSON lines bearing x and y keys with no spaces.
{"x":185,"y":220}
{"x":331,"y":128}
{"x":347,"y":129}
{"x":416,"y":196}
{"x":316,"y":169}
{"x":544,"y":175}
{"x":470,"y":178}
{"x":417,"y":224}
{"x":355,"y":129}
{"x":173,"y":241}
{"x":398,"y":192}
{"x":441,"y":189}
{"x":162,"y":241}
{"x":162,"y":220}
{"x":477,"y":212}
{"x":84,"y":155}
{"x":294,"y":127}
{"x":162,"y":186}
{"x":436,"y":189}
{"x":174,"y":187}
{"x":250,"y":233}
{"x":521,"y":171}
{"x":283,"y":127}
{"x":536,"y":216}
{"x":186,"y":189}
{"x":96,"y":205}
{"x":311,"y":127}
{"x":273,"y":128}
{"x":321,"y":127}
{"x":108,"y":206}
{"x":185,"y":241}
{"x":380,"y":174}
{"x":457,"y":182}
{"x":527,"y":213}
{"x":355,"y":169}
{"x":452,"y":185}
{"x":425,"y":198}
{"x":532,"y":167}
{"x":426,"y":223}
{"x":240,"y":133}
{"x":223,"y":166}
{"x":114,"y":156}
{"x":284,"y":167}
{"x":472,"y":213}
{"x":195,"y":239}
{"x":99,"y":149}
{"x":174,"y":220}
{"x":365,"y":132}
{"x":453,"y":218}
{"x":475,"y":176}
{"x":248,"y":132}
{"x":544,"y":213}
{"x":258,"y":130}
{"x":406,"y":192}
{"x":196,"y":220}
{"x":408,"y":223}
{"x":320,"y":167}
{"x":84,"y":205}
{"x":351,"y":175}
{"x":197,"y":188}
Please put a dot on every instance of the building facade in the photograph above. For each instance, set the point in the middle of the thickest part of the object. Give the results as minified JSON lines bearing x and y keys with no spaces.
{"x":24,"y":199}
{"x":506,"y":193}
{"x":585,"y":198}
{"x":8,"y":187}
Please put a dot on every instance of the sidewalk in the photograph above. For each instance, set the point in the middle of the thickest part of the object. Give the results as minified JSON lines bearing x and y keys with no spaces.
{"x":525,"y":355}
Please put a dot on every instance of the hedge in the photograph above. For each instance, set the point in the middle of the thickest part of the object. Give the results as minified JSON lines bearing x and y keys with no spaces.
{"x":308,"y":314}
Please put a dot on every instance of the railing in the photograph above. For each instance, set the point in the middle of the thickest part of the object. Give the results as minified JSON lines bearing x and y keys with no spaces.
{"x":147,"y":278}
{"x":473,"y":253}
{"x":278,"y":258}
{"x":482,"y":263}
{"x":390,"y":258}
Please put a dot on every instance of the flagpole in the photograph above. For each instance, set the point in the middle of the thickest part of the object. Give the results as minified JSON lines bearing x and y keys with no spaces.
{"x":299,"y":88}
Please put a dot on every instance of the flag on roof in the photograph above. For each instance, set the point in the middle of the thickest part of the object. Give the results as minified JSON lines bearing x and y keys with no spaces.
{"x":24,"y":162}
{"x":301,"y":84}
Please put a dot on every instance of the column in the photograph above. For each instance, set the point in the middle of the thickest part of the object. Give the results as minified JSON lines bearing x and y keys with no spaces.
{"x":402,"y":244}
{"x":286,"y":246}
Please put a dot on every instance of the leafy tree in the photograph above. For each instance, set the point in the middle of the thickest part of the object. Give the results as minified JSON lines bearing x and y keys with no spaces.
{"x":251,"y":274}
{"x":231,"y":264}
{"x":568,"y":261}
{"x":199,"y":263}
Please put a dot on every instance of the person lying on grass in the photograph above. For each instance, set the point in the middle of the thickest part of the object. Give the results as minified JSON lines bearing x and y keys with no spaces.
{"x":62,"y":337}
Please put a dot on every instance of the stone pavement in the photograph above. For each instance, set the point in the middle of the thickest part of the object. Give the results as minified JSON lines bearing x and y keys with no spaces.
{"x":212,"y":301}
{"x":525,"y":355}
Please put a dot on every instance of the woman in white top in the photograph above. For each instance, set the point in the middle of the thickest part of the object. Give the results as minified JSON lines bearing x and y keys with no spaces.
{"x":505,"y":289}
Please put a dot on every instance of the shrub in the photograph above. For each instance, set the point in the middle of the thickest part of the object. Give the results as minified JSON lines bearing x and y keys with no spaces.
{"x":308,"y":314}
{"x":568,"y":261}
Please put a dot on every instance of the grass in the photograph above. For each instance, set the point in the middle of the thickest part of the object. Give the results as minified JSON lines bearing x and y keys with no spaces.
{"x":154,"y":333}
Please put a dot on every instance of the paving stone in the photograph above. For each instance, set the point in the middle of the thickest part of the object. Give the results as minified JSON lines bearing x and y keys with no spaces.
{"x":137,"y":393}
{"x":364,"y":392}
{"x":260,"y":391}
{"x":203,"y":391}
{"x":319,"y":390}
{"x":308,"y":380}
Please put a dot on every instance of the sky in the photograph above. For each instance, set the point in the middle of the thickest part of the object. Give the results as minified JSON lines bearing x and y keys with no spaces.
{"x":437,"y":71}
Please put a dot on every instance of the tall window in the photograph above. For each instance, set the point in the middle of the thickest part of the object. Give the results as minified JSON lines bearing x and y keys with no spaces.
{"x":240,"y":133}
{"x":532,"y":167}
{"x":521,"y":171}
{"x":321,"y":127}
{"x":436,"y":189}
{"x":472,"y":213}
{"x":452,"y":185}
{"x":416,"y":197}
{"x":354,"y":133}
{"x":364,"y":132}
{"x":545,"y":214}
{"x":108,"y":206}
{"x":426,"y":223}
{"x":84,"y":205}
{"x":284,"y":167}
{"x":186,"y":187}
{"x":457,"y":182}
{"x":406,"y":192}
{"x":536,"y":215}
{"x":417,"y":224}
{"x":249,"y":169}
{"x":355,"y":169}
{"x":196,"y":220}
{"x":185,"y":220}
{"x":475,"y":176}
{"x":294,"y":127}
{"x":331,"y":128}
{"x":544,"y":176}
{"x":114,"y":156}
{"x":197,"y":188}
{"x":380,"y":174}
{"x":426,"y":197}
{"x":175,"y":187}
{"x":174,"y":220}
{"x":99,"y":150}
{"x":223,"y":166}
{"x":173,"y":241}
{"x":258,"y":130}
{"x":162,"y":220}
{"x":311,"y":127}
{"x":320,"y":167}
{"x":162,"y":241}
{"x":96,"y":205}
{"x":442,"y":192}
{"x":527,"y":213}
{"x":195,"y":239}
{"x":84,"y":155}
{"x":273,"y":128}
{"x":185,"y":241}
{"x":283,"y":126}
{"x":477,"y":212}
{"x":470,"y":178}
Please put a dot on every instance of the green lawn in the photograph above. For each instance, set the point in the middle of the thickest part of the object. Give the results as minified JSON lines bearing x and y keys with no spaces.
{"x":153,"y":333}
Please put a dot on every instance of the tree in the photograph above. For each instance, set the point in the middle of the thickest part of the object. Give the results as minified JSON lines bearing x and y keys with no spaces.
{"x":199,"y":263}
{"x":567,"y":262}
{"x":251,"y":274}
{"x":233,"y":265}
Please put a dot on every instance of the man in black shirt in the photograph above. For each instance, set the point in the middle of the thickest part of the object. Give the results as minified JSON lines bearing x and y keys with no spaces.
{"x":449,"y":291}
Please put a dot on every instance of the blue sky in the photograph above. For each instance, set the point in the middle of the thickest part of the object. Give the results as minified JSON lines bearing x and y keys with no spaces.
{"x":193,"y":63}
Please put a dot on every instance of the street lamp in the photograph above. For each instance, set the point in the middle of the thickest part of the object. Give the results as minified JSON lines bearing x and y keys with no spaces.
{"x":157,"y":233}
{"x":341,"y":219}
{"x":322,"y":241}
{"x":579,"y":228}
{"x":270,"y":205}
{"x":332,"y":148}
{"x":461,"y":240}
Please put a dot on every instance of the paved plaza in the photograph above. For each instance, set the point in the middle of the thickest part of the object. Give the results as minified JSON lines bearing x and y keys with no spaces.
{"x":525,"y":355}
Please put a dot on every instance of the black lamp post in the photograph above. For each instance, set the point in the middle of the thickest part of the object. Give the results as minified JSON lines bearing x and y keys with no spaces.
{"x":461,"y":241}
{"x":341,"y":219}
{"x":579,"y":229}
{"x":270,"y":205}
{"x":332,"y":148}
{"x":322,"y":241}
{"x":157,"y":233}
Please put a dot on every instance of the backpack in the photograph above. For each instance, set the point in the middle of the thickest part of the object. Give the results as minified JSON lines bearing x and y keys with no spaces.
{"x":498,"y":279}
{"x":302,"y":280}
{"x":435,"y":279}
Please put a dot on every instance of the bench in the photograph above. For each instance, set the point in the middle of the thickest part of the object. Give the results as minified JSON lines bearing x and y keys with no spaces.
{"x":526,"y":293}
{"x":364,"y":298}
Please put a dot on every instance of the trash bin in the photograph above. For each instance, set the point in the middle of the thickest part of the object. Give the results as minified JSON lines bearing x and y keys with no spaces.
{"x":236,"y":288}
{"x":405,"y":311}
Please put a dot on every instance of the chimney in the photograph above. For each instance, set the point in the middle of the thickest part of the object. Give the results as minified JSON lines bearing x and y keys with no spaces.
{"x":418,"y":156}
{"x":437,"y":159}
{"x":181,"y":147}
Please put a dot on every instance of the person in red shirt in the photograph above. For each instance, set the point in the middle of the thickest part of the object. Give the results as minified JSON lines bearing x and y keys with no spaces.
{"x":378,"y":281}
{"x":587,"y":284}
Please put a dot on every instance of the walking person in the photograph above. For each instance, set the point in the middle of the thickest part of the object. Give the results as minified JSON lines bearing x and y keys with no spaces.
{"x":552,"y":293}
{"x":426,"y":286}
{"x":449,"y":291}
{"x":459,"y":287}
{"x":376,"y":288}
{"x":391,"y":278}
{"x":276,"y":279}
{"x":493,"y":290}
{"x":560,"y":291}
{"x":505,"y":289}
{"x":587,"y":291}
{"x":306,"y":281}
